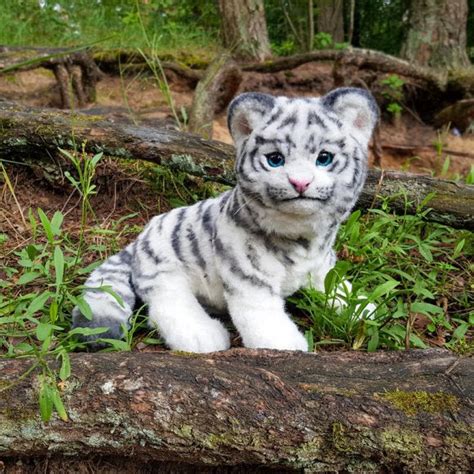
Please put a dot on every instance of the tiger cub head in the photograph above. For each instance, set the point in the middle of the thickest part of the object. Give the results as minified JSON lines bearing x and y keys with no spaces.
{"x":303,"y":155}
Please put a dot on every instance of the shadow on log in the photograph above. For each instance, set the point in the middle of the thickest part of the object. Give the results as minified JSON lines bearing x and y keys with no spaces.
{"x":37,"y":134}
{"x":355,"y":412}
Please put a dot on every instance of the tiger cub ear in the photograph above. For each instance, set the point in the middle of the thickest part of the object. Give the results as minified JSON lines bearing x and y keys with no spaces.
{"x":245,"y":112}
{"x":354,"y":106}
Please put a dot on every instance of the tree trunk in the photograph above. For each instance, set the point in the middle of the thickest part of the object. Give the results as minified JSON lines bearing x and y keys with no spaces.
{"x":213,"y":93}
{"x":331,"y":19}
{"x":437,"y":34}
{"x":244,"y":29}
{"x":350,"y":27}
{"x":331,"y":412}
{"x":34,"y":135}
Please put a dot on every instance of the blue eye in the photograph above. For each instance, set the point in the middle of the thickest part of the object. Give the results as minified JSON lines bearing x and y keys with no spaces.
{"x":325,"y":158}
{"x":275,"y":159}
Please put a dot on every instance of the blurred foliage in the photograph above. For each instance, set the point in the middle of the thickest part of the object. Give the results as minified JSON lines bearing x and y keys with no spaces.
{"x":194,"y":24}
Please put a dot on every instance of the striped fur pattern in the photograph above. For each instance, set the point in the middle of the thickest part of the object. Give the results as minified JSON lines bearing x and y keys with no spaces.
{"x":246,"y":250}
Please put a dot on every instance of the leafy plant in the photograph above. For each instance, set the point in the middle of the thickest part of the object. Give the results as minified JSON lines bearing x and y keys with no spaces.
{"x":322,"y":40}
{"x":407,"y":268}
{"x":393,"y":92}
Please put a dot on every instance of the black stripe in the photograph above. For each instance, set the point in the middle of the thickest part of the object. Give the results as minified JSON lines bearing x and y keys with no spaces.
{"x":315,"y":119}
{"x":207,"y":223}
{"x":235,"y":268}
{"x":291,"y":120}
{"x":176,"y":235}
{"x":195,"y":247}
{"x":150,"y":252}
{"x":274,"y":117}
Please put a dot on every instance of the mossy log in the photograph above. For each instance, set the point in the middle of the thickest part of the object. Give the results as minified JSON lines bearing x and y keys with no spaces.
{"x":74,"y":69}
{"x":35,"y":134}
{"x":323,"y":412}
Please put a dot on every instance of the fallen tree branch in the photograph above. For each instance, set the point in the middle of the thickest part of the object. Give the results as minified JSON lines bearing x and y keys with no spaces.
{"x":363,"y":58}
{"x":73,"y":68}
{"x":391,"y":412}
{"x":413,"y":149}
{"x":36,"y":133}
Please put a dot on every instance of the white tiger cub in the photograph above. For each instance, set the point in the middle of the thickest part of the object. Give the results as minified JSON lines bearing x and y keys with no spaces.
{"x":301,"y":164}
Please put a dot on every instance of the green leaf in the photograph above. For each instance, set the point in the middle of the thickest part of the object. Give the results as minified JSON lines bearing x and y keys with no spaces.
{"x":383,"y":289}
{"x":88,"y":331}
{"x":43,"y":330}
{"x":58,"y":403}
{"x":426,"y":308}
{"x":38,"y":303}
{"x":460,"y":331}
{"x":458,"y":249}
{"x":32,"y":252}
{"x":65,"y":370}
{"x":46,"y":225}
{"x":417,"y":342}
{"x":373,"y":341}
{"x":58,"y":266}
{"x":426,"y":252}
{"x":28,"y":277}
{"x":308,"y":335}
{"x":45,"y":401}
{"x":56,"y":222}
{"x":117,"y":344}
{"x":95,"y":159}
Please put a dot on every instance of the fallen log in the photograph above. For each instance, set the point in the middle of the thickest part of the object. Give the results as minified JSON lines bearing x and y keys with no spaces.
{"x":35,"y":134}
{"x":74,"y":69}
{"x":357,"y":412}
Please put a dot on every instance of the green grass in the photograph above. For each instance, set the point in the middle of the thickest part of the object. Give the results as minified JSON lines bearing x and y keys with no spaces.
{"x":113,"y":23}
{"x":417,"y":273}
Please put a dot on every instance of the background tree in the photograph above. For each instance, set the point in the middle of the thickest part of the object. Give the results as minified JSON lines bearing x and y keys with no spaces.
{"x":437,"y":33}
{"x":244,"y":28}
{"x":330,"y":18}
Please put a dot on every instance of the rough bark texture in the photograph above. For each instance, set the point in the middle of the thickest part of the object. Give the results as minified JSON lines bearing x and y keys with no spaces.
{"x":330,"y":18}
{"x":452,"y":203}
{"x":437,"y":34}
{"x":244,"y":29}
{"x":36,"y":134}
{"x":355,"y":412}
{"x":213,"y":93}
{"x":75,"y":71}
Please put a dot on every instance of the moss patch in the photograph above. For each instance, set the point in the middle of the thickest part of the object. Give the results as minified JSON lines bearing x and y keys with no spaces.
{"x":401,"y":441}
{"x":413,"y":402}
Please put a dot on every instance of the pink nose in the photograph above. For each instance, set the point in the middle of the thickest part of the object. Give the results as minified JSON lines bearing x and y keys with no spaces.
{"x":301,"y":185}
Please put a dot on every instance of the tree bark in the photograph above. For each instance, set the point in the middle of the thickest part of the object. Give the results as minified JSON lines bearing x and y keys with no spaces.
{"x":384,"y":412}
{"x":36,"y":134}
{"x":437,"y":34}
{"x":350,"y":27}
{"x":244,"y":29}
{"x":330,"y":19}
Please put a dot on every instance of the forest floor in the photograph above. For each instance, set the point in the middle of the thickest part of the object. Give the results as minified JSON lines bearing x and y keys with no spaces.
{"x":129,"y":194}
